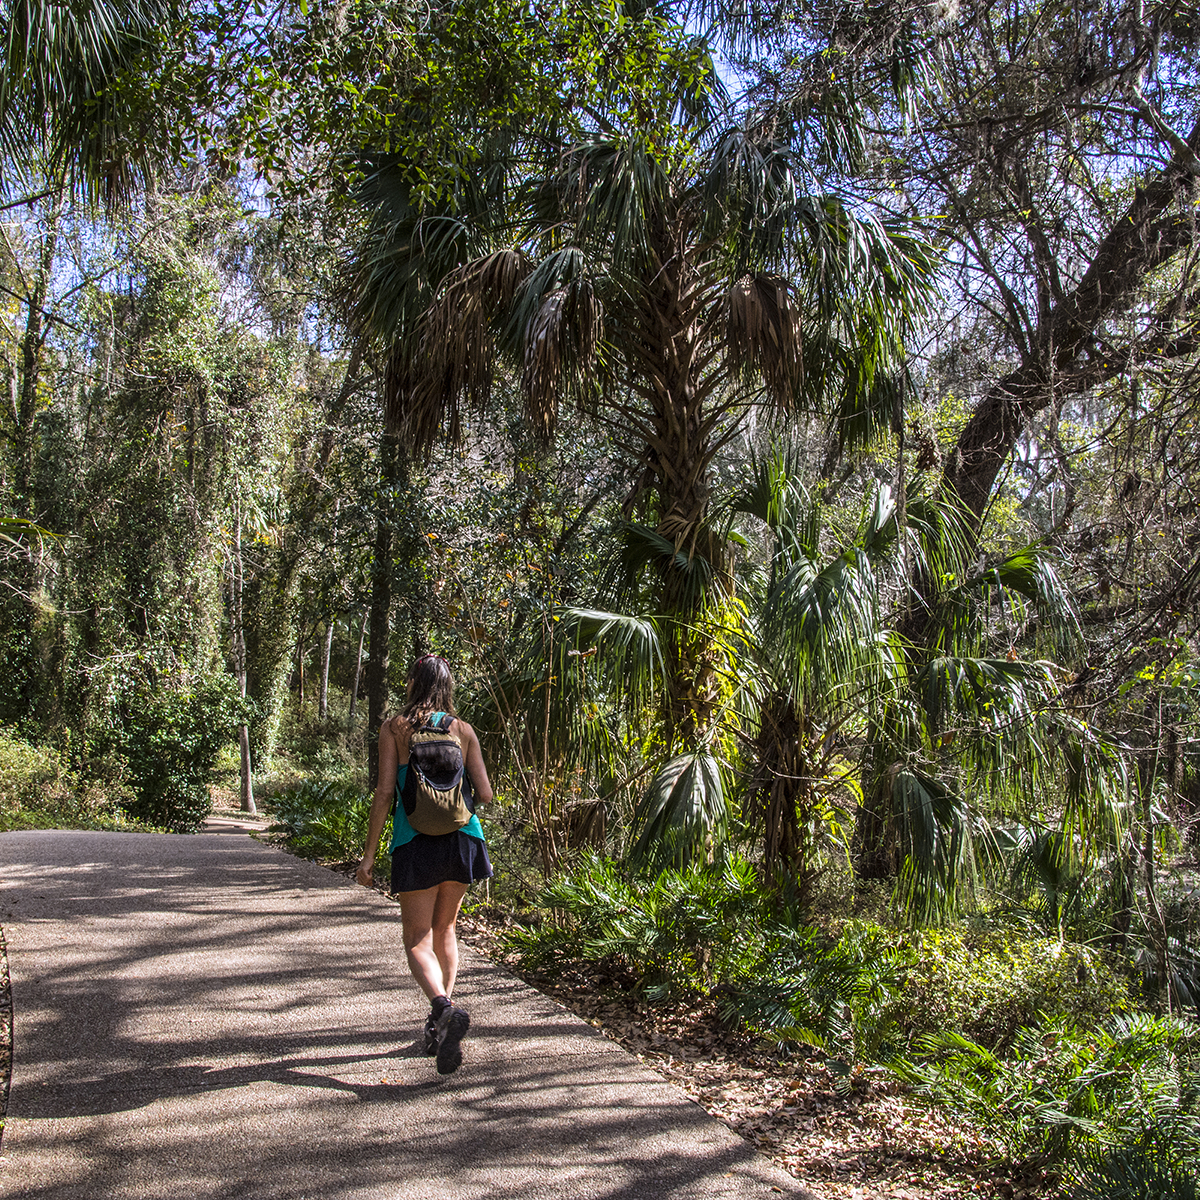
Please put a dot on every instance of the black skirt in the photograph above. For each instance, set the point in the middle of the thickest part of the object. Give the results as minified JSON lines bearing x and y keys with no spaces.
{"x":428,"y":860}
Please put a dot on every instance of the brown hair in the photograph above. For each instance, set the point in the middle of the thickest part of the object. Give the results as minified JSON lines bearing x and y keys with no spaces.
{"x":430,"y":688}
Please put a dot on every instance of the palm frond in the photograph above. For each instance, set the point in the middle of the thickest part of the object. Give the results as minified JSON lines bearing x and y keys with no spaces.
{"x":17,"y":532}
{"x":773,"y":491}
{"x":747,"y":194}
{"x":456,"y":356}
{"x":942,"y":540}
{"x":1030,"y":574}
{"x":683,"y":811}
{"x":936,"y":828}
{"x":559,"y":320}
{"x":65,"y":90}
{"x":631,"y":649}
{"x":621,"y":185}
{"x":870,"y":281}
{"x":403,"y":255}
{"x":821,"y":621}
{"x":987,"y":691}
{"x":684,"y":575}
{"x":1098,"y":784}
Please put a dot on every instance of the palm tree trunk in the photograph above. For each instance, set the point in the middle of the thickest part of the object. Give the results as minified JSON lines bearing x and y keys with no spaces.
{"x":782,"y":802}
{"x":678,"y":458}
{"x":874,"y":849}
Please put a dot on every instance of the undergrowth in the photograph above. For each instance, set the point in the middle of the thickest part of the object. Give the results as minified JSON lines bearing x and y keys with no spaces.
{"x":325,"y":819}
{"x":1035,"y":1041}
{"x":39,"y":790}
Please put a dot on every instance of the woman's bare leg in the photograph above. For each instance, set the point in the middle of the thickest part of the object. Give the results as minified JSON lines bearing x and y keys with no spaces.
{"x":445,"y":938}
{"x":430,"y":944}
{"x":416,"y":915}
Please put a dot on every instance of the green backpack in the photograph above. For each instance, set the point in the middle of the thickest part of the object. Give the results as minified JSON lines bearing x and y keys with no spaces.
{"x":436,"y":793}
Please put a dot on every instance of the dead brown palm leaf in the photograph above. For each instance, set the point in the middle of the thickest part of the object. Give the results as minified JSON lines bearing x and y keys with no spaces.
{"x":764,"y":338}
{"x":456,"y":353}
{"x":565,"y":331}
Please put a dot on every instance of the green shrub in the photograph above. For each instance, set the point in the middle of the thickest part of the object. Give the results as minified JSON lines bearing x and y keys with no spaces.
{"x":325,"y":819}
{"x":679,"y":931}
{"x":38,"y":790}
{"x":171,"y":737}
{"x":843,"y":995}
{"x":29,"y":775}
{"x":1031,"y":1040}
{"x":1159,"y":1164}
{"x":988,"y":985}
{"x":862,"y":996}
{"x":1065,"y":1089}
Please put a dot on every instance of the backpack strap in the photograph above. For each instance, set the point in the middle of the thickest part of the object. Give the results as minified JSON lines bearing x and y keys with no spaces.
{"x":444,"y":724}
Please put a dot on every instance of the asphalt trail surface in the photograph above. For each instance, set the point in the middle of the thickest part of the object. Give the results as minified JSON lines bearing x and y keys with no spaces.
{"x":209,"y":1017}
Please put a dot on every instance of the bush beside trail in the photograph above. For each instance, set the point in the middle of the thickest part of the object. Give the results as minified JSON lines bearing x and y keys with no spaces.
{"x":1035,"y":1043}
{"x":39,"y":790}
{"x":149,"y":764}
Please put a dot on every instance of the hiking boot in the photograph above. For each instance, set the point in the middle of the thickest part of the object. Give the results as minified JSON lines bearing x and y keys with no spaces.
{"x":450,"y":1028}
{"x":431,"y":1034}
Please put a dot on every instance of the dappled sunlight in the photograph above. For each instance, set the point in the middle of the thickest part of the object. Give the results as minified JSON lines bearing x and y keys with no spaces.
{"x":229,"y":1021}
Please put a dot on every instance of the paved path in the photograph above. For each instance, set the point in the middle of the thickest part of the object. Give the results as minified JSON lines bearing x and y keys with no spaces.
{"x":208,"y":1017}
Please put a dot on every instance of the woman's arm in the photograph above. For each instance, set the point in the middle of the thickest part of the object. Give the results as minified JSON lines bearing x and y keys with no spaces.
{"x":473,"y":760}
{"x":394,"y":739}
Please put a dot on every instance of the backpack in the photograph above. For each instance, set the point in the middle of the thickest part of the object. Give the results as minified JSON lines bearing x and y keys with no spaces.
{"x":436,"y":793}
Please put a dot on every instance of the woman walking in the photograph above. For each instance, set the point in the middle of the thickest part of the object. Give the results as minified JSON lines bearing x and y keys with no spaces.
{"x":430,"y":872}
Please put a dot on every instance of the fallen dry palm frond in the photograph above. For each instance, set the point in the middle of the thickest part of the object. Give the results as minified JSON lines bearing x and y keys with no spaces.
{"x":763,"y":335}
{"x":455,"y":357}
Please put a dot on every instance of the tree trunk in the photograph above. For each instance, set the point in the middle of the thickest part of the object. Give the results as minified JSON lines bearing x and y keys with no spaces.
{"x":362,"y":634}
{"x":781,"y":800}
{"x":300,"y":668}
{"x":268,"y":625}
{"x":875,"y":851}
{"x":27,"y":692}
{"x":1146,"y":236}
{"x":32,"y":344}
{"x":238,"y":630}
{"x":323,"y":699}
{"x":246,"y":780}
{"x":392,"y":466}
{"x":326,"y":652}
{"x":677,"y":459}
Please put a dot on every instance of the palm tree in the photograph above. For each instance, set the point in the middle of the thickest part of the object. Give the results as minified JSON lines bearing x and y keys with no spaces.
{"x":968,"y":732}
{"x":670,"y":272}
{"x":817,"y":655}
{"x":66,"y":108}
{"x":950,"y":744}
{"x":670,"y":264}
